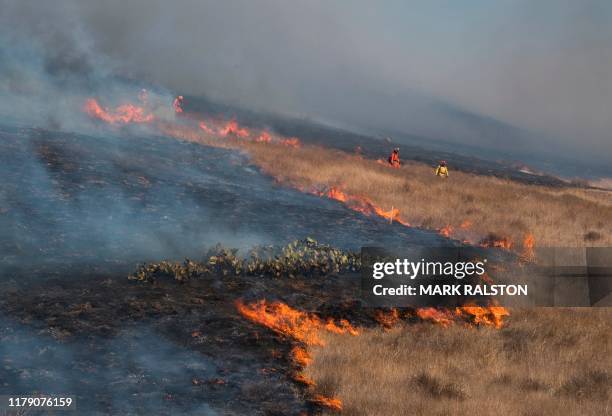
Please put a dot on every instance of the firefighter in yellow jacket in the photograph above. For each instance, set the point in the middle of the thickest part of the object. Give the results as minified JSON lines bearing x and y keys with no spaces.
{"x":442,"y":169}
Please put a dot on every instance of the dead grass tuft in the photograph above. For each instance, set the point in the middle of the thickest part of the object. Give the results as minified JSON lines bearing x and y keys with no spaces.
{"x":438,"y":388}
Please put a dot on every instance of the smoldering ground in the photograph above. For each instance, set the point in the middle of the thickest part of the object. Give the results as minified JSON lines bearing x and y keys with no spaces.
{"x":111,"y":202}
{"x":103,"y":375}
{"x":161,"y":347}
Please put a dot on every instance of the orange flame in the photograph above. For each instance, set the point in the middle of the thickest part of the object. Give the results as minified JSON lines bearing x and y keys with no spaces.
{"x":301,"y":378}
{"x":480,"y":315}
{"x":283,"y":319}
{"x":465,"y":224}
{"x":437,"y":316}
{"x":528,"y":246}
{"x":393,"y":214}
{"x":337,"y":194}
{"x":365,"y":205}
{"x":291,"y":141}
{"x":123,"y":114}
{"x":302,"y":327}
{"x":497,"y":242}
{"x":233,"y":129}
{"x":475,"y":315}
{"x":331,"y":403}
{"x":446,"y":231}
{"x":301,"y":356}
{"x":131,"y":113}
{"x":529,"y":241}
{"x":388,"y":319}
{"x":264,"y":137}
{"x":205,"y":127}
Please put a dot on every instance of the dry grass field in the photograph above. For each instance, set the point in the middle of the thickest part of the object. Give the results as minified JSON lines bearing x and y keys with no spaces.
{"x":466,"y":206}
{"x":544,"y":362}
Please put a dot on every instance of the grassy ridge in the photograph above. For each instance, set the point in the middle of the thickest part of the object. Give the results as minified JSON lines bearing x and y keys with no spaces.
{"x":474,"y":206}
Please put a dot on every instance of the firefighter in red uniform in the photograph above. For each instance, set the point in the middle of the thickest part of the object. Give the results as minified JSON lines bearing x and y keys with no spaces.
{"x":178,"y":104}
{"x":394,"y":159}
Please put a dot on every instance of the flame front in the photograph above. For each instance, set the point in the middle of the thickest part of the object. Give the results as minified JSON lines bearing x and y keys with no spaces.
{"x":473,"y":315}
{"x":301,"y":356}
{"x":299,"y":326}
{"x":446,"y":231}
{"x":331,"y":403}
{"x":232,"y":128}
{"x":283,"y":319}
{"x":480,"y":315}
{"x":438,"y":316}
{"x":364,"y":205}
{"x":337,"y":194}
{"x":387,"y":319}
{"x":205,"y":127}
{"x":185,"y":128}
{"x":123,"y":114}
{"x":264,"y":137}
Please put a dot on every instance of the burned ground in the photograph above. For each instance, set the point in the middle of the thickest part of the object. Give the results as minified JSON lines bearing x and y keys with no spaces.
{"x":109,"y":202}
{"x":168,"y":347}
{"x":79,"y":213}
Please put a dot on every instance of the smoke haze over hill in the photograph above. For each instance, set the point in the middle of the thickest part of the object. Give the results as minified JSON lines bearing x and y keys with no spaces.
{"x":534,"y":76}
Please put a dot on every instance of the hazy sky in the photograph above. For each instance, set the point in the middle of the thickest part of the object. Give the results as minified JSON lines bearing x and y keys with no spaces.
{"x":543,"y":65}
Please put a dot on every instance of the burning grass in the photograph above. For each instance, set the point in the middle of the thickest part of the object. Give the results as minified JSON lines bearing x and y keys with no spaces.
{"x":476,"y":208}
{"x":302,"y":328}
{"x":297,"y":325}
{"x":479,"y":209}
{"x":307,"y":330}
{"x":545,"y":362}
{"x":123,"y":114}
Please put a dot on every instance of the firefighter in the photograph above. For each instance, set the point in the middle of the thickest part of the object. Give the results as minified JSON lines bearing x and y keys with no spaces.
{"x":178,"y":104}
{"x":394,"y":159}
{"x":442,"y":169}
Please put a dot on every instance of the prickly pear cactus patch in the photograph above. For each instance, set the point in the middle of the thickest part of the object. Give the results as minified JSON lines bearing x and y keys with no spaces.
{"x":301,"y":257}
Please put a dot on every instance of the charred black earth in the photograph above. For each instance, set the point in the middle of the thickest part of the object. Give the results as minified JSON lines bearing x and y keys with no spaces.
{"x":78,"y":213}
{"x":73,"y":202}
{"x":163,"y":347}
